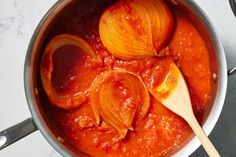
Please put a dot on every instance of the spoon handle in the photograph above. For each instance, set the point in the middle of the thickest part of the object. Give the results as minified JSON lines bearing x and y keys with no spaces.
{"x":206,"y":143}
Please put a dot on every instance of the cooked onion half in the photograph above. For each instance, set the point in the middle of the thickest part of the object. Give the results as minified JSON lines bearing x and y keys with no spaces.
{"x":119,"y":96}
{"x":83,"y":51}
{"x":135,"y":28}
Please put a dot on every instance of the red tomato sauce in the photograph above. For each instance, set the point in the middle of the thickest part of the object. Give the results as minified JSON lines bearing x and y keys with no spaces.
{"x":68,"y":69}
{"x":160,"y":131}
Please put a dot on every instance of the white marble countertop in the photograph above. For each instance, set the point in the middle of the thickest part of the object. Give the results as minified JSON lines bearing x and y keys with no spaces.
{"x":19,"y":18}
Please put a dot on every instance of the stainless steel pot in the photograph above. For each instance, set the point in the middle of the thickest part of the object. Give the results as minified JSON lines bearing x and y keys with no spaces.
{"x":39,"y":120}
{"x":233,"y":6}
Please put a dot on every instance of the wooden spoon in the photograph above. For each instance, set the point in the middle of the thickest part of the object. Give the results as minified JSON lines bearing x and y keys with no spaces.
{"x":173,"y":93}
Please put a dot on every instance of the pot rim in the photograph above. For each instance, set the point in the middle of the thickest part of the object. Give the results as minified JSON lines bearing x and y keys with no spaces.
{"x":214,"y":115}
{"x":190,"y":147}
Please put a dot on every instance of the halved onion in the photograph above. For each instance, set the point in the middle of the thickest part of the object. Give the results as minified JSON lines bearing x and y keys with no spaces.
{"x":135,"y":29}
{"x":65,"y":101}
{"x":118,"y":96}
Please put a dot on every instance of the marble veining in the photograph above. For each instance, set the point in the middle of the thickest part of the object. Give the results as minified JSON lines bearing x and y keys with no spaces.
{"x":22,"y":14}
{"x":5,"y":24}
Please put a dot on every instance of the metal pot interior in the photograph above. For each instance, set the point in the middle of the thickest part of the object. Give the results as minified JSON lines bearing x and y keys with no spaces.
{"x":33,"y":84}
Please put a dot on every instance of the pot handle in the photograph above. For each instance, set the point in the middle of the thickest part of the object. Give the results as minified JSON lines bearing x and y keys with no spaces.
{"x":232,"y":71}
{"x":16,"y":132}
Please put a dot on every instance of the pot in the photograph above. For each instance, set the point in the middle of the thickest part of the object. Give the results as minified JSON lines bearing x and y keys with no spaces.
{"x":40,"y":121}
{"x":233,"y":6}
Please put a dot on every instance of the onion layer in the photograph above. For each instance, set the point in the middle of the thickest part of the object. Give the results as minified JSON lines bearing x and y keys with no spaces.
{"x":118,"y":96}
{"x":65,"y":101}
{"x":135,"y":28}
